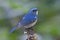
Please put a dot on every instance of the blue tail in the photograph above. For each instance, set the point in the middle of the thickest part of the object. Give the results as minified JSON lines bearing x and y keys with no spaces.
{"x":16,"y":27}
{"x":13,"y":29}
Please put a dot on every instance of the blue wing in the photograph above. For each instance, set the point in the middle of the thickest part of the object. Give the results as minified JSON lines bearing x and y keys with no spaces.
{"x":28,"y":19}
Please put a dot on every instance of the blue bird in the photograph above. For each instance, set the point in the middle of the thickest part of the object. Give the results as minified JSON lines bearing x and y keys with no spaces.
{"x":28,"y":21}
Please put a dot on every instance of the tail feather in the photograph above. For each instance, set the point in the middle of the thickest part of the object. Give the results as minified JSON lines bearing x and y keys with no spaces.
{"x":16,"y":27}
{"x":13,"y":29}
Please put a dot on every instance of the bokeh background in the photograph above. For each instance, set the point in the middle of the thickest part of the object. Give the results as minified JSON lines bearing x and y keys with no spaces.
{"x":48,"y":25}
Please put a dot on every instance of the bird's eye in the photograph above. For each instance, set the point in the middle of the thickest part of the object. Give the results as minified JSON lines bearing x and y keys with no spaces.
{"x":34,"y":10}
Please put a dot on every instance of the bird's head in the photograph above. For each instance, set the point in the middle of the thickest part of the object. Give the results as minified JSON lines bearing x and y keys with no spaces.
{"x":34,"y":10}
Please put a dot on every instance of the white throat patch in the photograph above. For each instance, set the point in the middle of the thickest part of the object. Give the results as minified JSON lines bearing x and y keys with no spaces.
{"x":37,"y":13}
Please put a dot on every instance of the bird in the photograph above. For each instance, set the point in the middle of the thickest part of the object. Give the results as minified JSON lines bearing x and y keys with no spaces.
{"x":28,"y":20}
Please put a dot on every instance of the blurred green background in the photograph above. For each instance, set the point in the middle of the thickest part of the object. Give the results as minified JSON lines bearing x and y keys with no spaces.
{"x":48,"y":25}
